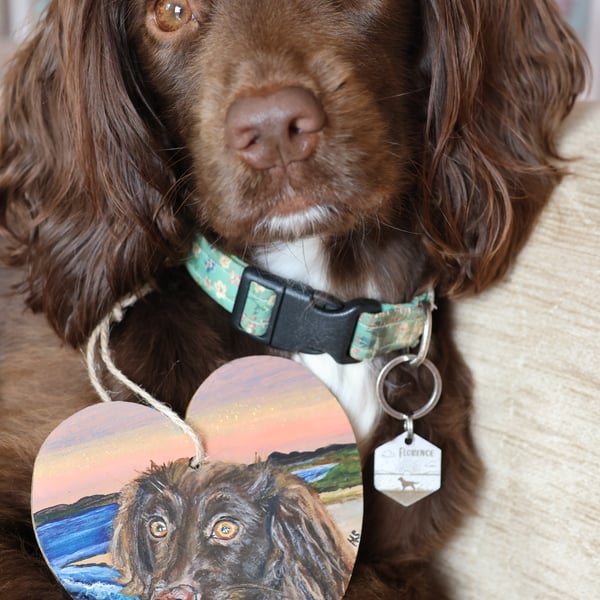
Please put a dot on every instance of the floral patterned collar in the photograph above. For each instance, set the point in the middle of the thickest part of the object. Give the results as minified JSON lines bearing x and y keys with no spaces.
{"x":294,"y":317}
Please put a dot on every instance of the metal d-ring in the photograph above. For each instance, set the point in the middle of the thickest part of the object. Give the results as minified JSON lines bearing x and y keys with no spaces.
{"x":421,"y":355}
{"x":409,"y":359}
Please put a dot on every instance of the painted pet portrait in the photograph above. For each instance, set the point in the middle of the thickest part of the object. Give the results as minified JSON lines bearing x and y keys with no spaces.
{"x":274,"y":510}
{"x":227,"y":531}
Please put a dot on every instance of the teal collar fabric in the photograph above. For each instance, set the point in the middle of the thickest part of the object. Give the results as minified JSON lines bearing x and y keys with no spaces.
{"x":291,"y":316}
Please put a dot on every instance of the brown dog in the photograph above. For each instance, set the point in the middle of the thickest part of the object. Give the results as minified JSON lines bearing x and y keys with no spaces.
{"x":367,"y":148}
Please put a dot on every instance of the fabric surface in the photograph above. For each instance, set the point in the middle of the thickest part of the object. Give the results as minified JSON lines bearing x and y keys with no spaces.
{"x":533,"y":344}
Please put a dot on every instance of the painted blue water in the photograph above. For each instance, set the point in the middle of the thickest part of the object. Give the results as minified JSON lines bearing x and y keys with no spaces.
{"x":312,"y":474}
{"x":91,"y":582}
{"x":78,"y":537}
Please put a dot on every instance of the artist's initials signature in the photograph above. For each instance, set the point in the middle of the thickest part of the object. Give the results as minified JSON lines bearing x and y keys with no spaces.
{"x":354,"y":538}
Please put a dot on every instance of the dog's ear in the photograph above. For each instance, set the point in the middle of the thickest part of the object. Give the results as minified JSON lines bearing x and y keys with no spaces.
{"x":84,"y":190}
{"x":502,"y":76}
{"x":130,"y":547}
{"x":124,"y":547}
{"x":311,"y":558}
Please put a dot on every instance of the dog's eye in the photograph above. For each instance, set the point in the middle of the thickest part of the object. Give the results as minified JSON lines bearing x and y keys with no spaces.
{"x":225,"y":529}
{"x":158,"y":528}
{"x":171,"y":16}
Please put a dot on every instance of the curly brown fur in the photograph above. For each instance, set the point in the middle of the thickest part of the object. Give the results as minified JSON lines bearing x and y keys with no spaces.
{"x":436,"y":155}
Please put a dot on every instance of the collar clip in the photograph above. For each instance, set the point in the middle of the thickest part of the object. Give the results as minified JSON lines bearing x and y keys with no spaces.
{"x":311,"y":322}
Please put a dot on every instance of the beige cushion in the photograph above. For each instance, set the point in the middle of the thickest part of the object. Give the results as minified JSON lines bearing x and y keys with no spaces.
{"x":533,"y":343}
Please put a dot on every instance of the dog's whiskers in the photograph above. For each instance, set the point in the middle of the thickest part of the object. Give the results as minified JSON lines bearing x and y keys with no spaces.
{"x":403,"y":94}
{"x":387,"y":225}
{"x":251,"y":587}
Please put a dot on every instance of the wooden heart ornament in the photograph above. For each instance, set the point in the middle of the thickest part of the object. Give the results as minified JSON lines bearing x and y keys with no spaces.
{"x":273,"y":512}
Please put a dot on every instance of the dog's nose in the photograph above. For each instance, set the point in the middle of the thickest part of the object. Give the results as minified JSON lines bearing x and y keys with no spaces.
{"x":275,"y":129}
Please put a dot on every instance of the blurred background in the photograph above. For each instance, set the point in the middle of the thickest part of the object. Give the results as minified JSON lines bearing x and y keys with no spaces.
{"x":16,"y":17}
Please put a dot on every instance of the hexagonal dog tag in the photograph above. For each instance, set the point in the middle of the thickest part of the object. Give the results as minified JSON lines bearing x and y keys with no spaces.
{"x":408,"y":471}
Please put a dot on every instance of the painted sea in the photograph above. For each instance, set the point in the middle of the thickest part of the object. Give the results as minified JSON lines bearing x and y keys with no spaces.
{"x":76,"y":537}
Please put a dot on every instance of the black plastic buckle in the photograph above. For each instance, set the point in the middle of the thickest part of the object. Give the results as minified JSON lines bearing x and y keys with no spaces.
{"x":303,"y":319}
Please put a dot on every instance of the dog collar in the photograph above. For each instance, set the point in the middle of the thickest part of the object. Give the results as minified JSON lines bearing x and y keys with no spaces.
{"x":291,"y":316}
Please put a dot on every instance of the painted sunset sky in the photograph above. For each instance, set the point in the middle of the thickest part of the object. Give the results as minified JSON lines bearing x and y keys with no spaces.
{"x":249,"y":407}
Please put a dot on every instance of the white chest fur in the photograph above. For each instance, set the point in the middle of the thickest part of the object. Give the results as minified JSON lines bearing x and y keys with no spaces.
{"x":352,"y":384}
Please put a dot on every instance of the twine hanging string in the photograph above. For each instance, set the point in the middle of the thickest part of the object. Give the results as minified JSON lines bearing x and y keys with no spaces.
{"x":101,"y":336}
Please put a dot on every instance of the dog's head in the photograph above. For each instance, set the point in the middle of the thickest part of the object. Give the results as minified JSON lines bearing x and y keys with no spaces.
{"x":289,"y":111}
{"x":129,"y":125}
{"x":226,"y":531}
